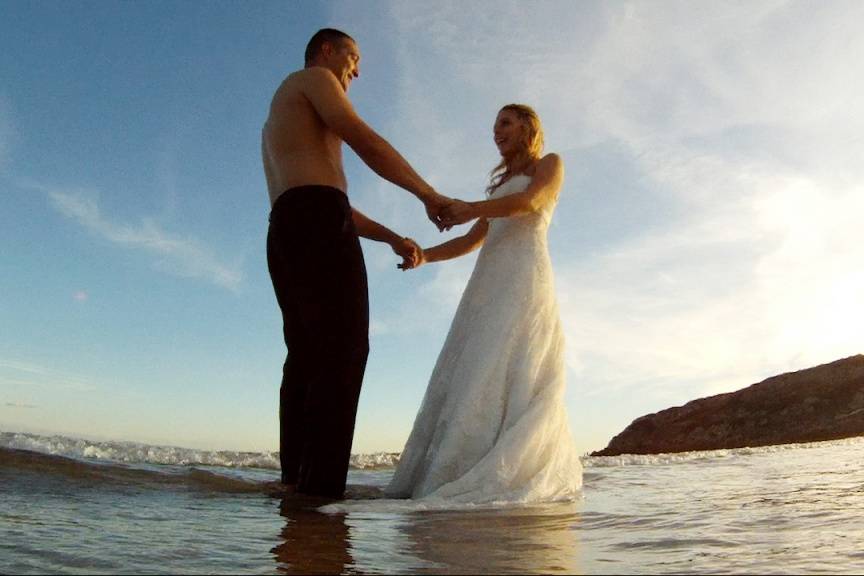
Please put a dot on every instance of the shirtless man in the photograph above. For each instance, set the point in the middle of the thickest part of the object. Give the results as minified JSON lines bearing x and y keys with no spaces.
{"x":315,"y":261}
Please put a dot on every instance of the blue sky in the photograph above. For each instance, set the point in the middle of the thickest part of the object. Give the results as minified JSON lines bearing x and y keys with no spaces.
{"x":708,"y":233}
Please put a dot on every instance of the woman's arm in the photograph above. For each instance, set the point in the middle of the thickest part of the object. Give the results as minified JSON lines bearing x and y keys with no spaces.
{"x":457,"y":246}
{"x":543,"y":190}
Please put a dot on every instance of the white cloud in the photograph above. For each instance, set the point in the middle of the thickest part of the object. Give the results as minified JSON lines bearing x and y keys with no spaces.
{"x":743,"y":118}
{"x":181,"y":256}
{"x":636,"y":71}
{"x":762,"y":277}
{"x":655,"y":76}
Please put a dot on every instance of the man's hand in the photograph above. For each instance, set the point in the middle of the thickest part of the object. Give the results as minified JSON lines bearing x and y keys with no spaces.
{"x":435,"y":203}
{"x":410,"y":251}
{"x":457,"y":212}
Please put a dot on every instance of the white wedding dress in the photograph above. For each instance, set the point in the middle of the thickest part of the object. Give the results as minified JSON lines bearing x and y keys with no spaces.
{"x":492,"y":426}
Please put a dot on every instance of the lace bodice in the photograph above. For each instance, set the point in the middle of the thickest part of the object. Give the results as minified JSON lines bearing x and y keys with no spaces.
{"x":518,"y":184}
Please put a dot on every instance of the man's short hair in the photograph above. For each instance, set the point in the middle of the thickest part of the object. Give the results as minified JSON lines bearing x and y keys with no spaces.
{"x":318,"y":40}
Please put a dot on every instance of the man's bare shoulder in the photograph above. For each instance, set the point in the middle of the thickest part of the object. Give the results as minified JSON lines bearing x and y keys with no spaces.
{"x":316,"y":86}
{"x":314,"y":77}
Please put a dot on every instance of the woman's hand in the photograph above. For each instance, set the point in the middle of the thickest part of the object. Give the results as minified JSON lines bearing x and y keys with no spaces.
{"x":458,"y":212}
{"x":435,"y":203}
{"x":410,"y":252}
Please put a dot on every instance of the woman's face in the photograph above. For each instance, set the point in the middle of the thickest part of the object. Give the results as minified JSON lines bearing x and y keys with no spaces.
{"x":508,"y":133}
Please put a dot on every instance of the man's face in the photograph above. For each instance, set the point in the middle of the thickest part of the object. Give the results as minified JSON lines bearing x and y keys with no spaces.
{"x":344,"y":62}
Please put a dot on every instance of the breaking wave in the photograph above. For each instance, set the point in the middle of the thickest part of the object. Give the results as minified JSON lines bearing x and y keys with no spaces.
{"x":138,"y":453}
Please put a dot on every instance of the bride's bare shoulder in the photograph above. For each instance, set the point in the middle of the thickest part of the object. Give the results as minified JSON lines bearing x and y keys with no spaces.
{"x":552,"y":160}
{"x":550,"y":163}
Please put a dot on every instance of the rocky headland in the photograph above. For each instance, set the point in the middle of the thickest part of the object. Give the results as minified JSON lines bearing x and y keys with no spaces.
{"x":821,"y":403}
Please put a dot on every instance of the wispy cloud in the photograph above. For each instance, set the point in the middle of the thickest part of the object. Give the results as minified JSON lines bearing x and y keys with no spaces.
{"x":27,"y":375}
{"x":19,"y":406}
{"x":25,"y":367}
{"x":762,"y":276}
{"x":181,"y":256}
{"x":743,"y":119}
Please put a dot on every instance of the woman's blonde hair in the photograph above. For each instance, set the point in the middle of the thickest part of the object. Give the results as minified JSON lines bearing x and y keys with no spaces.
{"x":531,"y":149}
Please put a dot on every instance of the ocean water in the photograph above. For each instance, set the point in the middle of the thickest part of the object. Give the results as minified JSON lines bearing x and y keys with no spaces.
{"x":71,"y":506}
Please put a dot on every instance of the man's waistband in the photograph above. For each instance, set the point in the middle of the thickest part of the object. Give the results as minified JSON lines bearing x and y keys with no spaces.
{"x":312,"y":193}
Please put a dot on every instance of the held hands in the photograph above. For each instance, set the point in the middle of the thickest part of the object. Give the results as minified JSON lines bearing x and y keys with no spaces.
{"x":457,"y":212}
{"x":435,"y":204}
{"x":410,"y":251}
{"x":446,"y":212}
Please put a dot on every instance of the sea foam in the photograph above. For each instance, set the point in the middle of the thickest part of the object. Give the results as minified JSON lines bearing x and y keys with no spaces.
{"x":138,"y":453}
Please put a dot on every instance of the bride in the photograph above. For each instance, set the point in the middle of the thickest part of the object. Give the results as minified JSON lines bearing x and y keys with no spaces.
{"x":492,"y":426}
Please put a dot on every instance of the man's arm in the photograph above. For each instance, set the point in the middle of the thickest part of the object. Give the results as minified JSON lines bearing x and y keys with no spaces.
{"x":368,"y":228}
{"x":326,"y":95}
{"x":406,"y":248}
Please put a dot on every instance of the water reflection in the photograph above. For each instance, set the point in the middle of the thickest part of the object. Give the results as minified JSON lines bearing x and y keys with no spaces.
{"x":514,"y":541}
{"x":373,"y":536}
{"x":311,"y":542}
